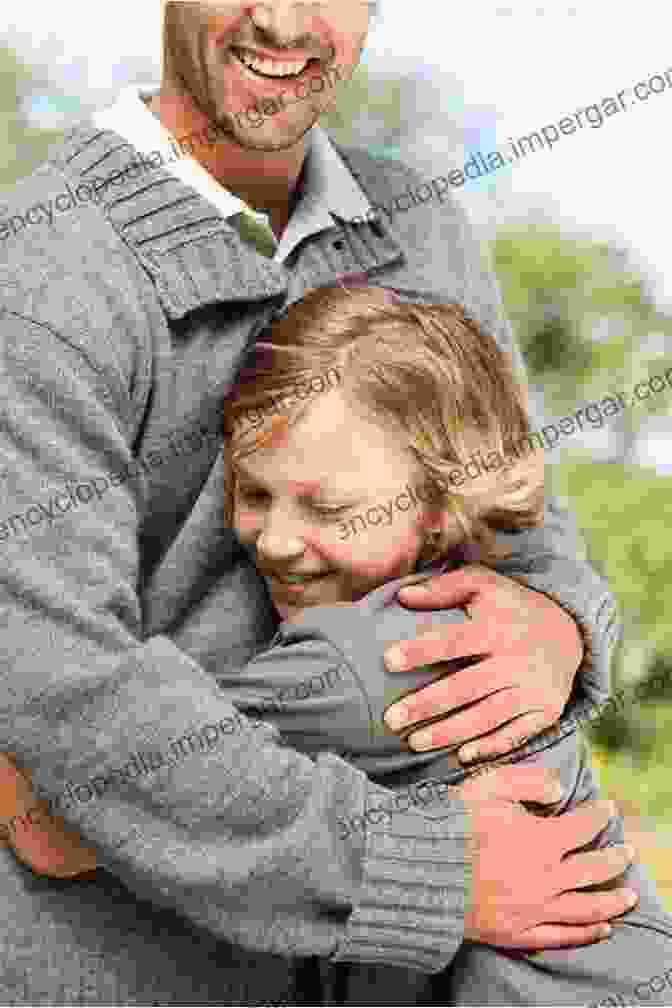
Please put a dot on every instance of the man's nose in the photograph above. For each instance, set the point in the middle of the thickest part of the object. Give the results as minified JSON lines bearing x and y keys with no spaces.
{"x":282,"y":20}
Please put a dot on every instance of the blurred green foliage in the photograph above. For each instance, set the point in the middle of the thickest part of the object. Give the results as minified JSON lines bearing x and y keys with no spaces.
{"x":557,"y":290}
{"x":559,"y":293}
{"x":640,"y":779}
{"x":625,"y":511}
{"x":22,"y":147}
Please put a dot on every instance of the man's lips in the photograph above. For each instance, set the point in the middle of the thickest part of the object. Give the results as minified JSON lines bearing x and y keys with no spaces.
{"x":296,"y":56}
{"x":279,"y":70}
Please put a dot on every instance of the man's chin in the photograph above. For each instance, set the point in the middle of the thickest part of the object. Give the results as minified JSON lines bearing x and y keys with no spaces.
{"x":271,"y":140}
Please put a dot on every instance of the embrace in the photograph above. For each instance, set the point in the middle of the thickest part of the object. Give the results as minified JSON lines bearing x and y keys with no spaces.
{"x":247,"y":759}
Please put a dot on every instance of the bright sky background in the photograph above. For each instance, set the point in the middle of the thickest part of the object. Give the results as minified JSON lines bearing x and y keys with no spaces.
{"x":536,"y":68}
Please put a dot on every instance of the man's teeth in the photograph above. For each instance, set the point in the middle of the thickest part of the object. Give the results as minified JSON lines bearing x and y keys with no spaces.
{"x":269,"y":67}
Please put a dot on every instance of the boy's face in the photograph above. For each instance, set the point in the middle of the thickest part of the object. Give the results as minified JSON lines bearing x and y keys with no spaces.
{"x":263,"y":72}
{"x":326,"y":496}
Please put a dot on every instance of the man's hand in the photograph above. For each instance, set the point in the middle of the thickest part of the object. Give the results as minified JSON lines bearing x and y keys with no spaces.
{"x":39,"y":840}
{"x":524,"y":878}
{"x":532,"y":649}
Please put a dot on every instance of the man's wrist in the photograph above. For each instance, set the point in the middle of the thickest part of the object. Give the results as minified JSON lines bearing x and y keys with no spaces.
{"x":416,"y":864}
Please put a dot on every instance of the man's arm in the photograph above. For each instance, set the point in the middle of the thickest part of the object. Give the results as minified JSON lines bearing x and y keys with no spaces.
{"x":190,"y":803}
{"x":550,"y":560}
{"x":553,"y":558}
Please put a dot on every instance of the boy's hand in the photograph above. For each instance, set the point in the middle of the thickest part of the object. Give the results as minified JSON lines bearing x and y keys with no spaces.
{"x":39,"y":840}
{"x":531,"y":651}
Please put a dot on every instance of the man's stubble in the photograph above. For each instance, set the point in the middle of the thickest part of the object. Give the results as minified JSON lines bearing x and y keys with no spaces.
{"x":187,"y":71}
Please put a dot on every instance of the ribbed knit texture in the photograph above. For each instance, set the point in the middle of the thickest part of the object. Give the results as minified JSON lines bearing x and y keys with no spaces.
{"x":398,"y":921}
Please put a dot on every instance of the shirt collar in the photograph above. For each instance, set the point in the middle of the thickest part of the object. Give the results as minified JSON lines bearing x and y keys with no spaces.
{"x":329,"y":190}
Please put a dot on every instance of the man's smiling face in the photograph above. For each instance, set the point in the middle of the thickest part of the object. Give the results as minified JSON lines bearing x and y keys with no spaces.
{"x":263,"y":72}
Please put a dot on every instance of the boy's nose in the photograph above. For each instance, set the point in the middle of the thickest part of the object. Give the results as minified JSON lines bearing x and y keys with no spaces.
{"x":276,"y":546}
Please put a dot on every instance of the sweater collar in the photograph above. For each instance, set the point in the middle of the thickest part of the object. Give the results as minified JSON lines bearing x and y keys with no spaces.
{"x":329,"y":188}
{"x":327,"y":177}
{"x":194,"y":257}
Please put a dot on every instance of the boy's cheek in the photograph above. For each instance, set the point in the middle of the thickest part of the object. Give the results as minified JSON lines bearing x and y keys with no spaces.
{"x":244,"y":523}
{"x":368,"y":557}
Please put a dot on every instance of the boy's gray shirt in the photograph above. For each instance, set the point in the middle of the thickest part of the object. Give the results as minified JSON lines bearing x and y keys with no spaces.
{"x":125,"y":599}
{"x":322,"y":680}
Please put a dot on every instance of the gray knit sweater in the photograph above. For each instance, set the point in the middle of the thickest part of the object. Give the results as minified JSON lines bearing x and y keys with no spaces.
{"x":123,"y":322}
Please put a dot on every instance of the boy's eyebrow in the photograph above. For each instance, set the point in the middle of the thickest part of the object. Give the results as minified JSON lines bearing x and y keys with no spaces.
{"x":298,"y":486}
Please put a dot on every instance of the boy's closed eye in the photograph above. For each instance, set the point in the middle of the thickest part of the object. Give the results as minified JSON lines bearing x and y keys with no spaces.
{"x":260,"y":496}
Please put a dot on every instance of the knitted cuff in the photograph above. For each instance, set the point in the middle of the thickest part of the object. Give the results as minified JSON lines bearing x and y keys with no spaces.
{"x":417,"y":875}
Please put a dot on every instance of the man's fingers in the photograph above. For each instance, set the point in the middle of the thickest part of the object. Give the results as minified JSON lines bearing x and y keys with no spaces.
{"x":592,"y":907}
{"x":547,"y":936}
{"x":580,"y":826}
{"x":506,"y":738}
{"x":442,"y":644}
{"x":515,"y":783}
{"x":458,"y":687}
{"x":50,"y":847}
{"x":16,"y":793}
{"x":496,"y":711}
{"x":447,"y":590}
{"x":454,"y":688}
{"x":495,"y":701}
{"x":486,"y":714}
{"x":594,"y":867}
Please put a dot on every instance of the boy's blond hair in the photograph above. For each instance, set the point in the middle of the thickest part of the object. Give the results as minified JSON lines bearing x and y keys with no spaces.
{"x":425,"y":370}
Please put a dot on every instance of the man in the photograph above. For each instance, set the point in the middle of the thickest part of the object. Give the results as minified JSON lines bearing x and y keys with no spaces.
{"x":124,"y":320}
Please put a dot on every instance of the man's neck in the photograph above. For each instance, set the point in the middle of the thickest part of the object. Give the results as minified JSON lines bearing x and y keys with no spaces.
{"x":266,"y":181}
